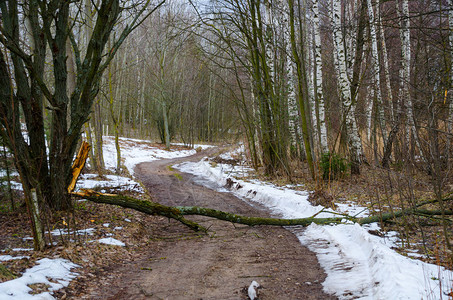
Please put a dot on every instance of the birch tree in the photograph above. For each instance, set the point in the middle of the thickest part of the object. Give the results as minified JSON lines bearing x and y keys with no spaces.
{"x":376,"y":71}
{"x":354,"y":142}
{"x":405,"y":35}
{"x":302,"y":89}
{"x":319,"y":96}
{"x":307,"y":44}
{"x":293,"y":111}
{"x":385,"y":60}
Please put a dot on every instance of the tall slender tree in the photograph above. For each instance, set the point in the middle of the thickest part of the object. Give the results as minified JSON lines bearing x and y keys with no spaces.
{"x":319,"y":95}
{"x":354,"y":141}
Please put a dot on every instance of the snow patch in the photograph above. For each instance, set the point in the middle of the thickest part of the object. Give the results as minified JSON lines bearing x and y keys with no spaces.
{"x":87,"y":181}
{"x":111,"y":241}
{"x":140,"y":152}
{"x":56,"y":273}
{"x":64,"y":231}
{"x":9,"y":257}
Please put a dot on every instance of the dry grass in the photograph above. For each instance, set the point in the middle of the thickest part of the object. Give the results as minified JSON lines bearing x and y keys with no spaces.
{"x":383,"y":190}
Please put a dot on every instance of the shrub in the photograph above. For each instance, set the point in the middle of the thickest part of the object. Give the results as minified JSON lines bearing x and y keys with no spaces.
{"x":333,"y":166}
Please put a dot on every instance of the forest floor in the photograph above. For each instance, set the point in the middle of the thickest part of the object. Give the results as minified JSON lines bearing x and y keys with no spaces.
{"x":151,"y":257}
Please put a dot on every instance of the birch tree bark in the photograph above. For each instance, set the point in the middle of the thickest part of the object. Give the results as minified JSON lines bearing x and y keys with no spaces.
{"x":309,"y":71}
{"x":302,"y":96}
{"x":293,"y":111}
{"x":319,"y":96}
{"x":350,"y":41}
{"x":385,"y":61}
{"x":406,"y":71}
{"x":354,"y":142}
{"x":376,"y":71}
{"x":269,"y":38}
{"x":369,"y":113}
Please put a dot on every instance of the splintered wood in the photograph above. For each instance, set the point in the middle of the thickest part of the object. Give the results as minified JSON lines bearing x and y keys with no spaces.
{"x":91,"y":193}
{"x":78,"y":164}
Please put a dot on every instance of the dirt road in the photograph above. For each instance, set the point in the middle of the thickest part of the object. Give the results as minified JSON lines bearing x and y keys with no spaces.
{"x":220,"y":265}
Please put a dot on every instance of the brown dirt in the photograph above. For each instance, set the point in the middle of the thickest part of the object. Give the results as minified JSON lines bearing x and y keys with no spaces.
{"x":181,"y":264}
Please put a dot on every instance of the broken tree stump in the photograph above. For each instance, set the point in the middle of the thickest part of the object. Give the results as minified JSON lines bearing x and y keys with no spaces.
{"x":78,"y":164}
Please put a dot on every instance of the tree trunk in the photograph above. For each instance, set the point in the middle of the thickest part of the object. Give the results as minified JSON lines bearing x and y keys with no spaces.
{"x":318,"y":79}
{"x":179,"y":212}
{"x":293,"y":111}
{"x":309,"y":71}
{"x":385,"y":62}
{"x":90,"y":141}
{"x":354,"y":142}
{"x":450,"y":110}
{"x":410,"y":130}
{"x":301,"y":95}
{"x":98,"y":134}
{"x":369,"y":112}
{"x":166,"y":128}
{"x":377,"y":80}
{"x":38,"y":229}
{"x":116,"y":119}
{"x":8,"y":177}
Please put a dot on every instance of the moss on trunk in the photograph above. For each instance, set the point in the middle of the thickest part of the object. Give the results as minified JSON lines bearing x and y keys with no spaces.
{"x":178,"y":212}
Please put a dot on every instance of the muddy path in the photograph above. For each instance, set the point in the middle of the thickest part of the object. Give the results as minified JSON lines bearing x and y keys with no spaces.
{"x":220,"y":265}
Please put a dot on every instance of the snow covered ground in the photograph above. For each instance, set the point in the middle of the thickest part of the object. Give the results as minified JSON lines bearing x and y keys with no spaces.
{"x":55,"y":273}
{"x":141,"y":151}
{"x":358,"y":265}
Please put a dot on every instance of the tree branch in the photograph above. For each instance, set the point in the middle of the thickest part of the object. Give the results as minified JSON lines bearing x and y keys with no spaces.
{"x":178,"y":212}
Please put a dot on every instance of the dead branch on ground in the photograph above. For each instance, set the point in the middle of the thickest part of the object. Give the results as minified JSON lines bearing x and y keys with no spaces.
{"x":179,"y":212}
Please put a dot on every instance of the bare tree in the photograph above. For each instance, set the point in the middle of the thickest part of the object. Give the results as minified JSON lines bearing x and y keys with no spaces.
{"x":26,"y":89}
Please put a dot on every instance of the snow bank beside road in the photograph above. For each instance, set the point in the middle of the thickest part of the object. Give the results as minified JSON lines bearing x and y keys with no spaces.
{"x":137,"y":151}
{"x":361,"y":265}
{"x":358,"y":265}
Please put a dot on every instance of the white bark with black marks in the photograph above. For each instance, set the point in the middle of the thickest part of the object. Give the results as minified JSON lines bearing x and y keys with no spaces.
{"x":376,"y":70}
{"x":354,"y":142}
{"x":318,"y":86}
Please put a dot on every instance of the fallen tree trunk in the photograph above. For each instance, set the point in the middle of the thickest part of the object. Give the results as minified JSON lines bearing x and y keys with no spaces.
{"x":253,"y":221}
{"x":178,"y":212}
{"x":384,"y":217}
{"x":147,"y":207}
